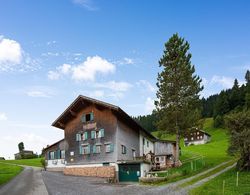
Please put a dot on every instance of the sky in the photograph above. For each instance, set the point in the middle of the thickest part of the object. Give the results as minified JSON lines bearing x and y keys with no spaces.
{"x":53,"y":50}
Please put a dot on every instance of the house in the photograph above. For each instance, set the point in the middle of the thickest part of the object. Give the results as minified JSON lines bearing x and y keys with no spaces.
{"x":196,"y":137}
{"x":25,"y":153}
{"x":2,"y":158}
{"x":55,"y":156}
{"x":101,"y":140}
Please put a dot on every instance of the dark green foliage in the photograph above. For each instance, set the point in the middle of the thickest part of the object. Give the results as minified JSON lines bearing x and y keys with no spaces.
{"x":239,"y":127}
{"x":21,"y":146}
{"x":237,"y":98}
{"x":218,"y":121}
{"x":44,"y":163}
{"x":178,"y":89}
{"x":148,"y":122}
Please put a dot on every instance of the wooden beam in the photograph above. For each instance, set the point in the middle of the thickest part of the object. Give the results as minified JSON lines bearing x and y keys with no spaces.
{"x":73,"y":113}
{"x":61,"y":124}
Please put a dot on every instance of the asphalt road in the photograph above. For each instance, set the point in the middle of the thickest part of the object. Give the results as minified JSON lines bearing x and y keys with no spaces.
{"x":28,"y":182}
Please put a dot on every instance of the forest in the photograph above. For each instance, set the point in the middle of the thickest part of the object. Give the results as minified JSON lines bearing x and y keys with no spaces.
{"x":217,"y":106}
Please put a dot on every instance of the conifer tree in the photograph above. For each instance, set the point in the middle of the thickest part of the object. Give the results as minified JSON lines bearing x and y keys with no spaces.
{"x":178,"y":90}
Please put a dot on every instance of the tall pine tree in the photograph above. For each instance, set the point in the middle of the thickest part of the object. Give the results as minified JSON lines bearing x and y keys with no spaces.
{"x":178,"y":90}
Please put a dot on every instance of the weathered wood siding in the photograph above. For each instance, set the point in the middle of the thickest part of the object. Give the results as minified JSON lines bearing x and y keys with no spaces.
{"x":104,"y":118}
{"x":163,"y":148}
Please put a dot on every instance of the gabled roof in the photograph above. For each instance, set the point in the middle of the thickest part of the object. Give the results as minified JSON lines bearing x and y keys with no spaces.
{"x":53,"y":144}
{"x":81,"y":101}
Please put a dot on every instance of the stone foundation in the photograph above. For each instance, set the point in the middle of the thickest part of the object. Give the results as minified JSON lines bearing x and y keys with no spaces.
{"x":104,"y":171}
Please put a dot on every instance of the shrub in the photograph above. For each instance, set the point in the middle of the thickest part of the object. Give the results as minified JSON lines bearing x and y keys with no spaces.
{"x":218,"y":121}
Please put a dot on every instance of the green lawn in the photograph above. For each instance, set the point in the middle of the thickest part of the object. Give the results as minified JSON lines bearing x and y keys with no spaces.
{"x":7,"y":172}
{"x":215,"y":186}
{"x":36,"y":162}
{"x":197,"y":158}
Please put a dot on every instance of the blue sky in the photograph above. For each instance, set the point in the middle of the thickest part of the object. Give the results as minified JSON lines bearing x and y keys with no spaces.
{"x":51,"y":51}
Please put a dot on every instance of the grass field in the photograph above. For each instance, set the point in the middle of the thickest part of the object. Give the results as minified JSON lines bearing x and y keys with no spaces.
{"x":197,"y":158}
{"x":215,"y":186}
{"x":36,"y":162}
{"x":7,"y":172}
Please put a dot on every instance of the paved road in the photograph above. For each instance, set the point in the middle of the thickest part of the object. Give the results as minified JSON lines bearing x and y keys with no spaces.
{"x":28,"y":182}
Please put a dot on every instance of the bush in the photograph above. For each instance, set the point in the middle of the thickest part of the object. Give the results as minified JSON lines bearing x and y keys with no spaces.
{"x":44,"y":163}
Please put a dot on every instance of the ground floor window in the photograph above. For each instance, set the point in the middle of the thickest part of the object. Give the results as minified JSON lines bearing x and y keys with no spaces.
{"x":63,"y":154}
{"x":124,"y":149}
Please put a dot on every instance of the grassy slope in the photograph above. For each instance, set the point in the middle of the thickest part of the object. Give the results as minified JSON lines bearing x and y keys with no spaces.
{"x":214,"y":186}
{"x":214,"y":152}
{"x":36,"y":162}
{"x":7,"y":172}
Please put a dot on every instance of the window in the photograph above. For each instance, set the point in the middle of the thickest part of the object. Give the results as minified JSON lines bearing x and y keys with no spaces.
{"x":198,"y":132}
{"x":109,"y":148}
{"x":87,"y":117}
{"x":96,"y":149}
{"x":143,"y":141}
{"x":51,"y":155}
{"x":86,"y":149}
{"x":72,"y":153}
{"x":147,"y":144}
{"x":198,"y":137}
{"x":78,"y":137}
{"x":192,"y":138}
{"x":133,"y":153}
{"x":62,"y":154}
{"x":105,"y":164}
{"x":124,"y":149}
{"x":162,"y":158}
{"x":97,"y":134}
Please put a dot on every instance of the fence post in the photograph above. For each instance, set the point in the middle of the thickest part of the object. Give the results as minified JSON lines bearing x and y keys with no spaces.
{"x":237,"y":179}
{"x":223,"y":187}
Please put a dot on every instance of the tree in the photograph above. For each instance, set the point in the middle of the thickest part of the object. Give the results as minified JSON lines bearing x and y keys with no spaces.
{"x":21,"y":147}
{"x":247,"y":77}
{"x":177,"y":101}
{"x":239,"y":127}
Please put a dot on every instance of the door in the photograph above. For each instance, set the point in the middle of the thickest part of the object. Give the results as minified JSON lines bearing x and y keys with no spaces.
{"x":129,"y":172}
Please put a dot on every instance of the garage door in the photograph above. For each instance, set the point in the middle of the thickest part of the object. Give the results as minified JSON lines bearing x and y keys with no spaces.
{"x":129,"y":172}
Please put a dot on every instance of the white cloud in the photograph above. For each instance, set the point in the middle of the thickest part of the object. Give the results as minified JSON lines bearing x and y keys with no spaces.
{"x":14,"y":58}
{"x":51,"y":42}
{"x":225,"y":82}
{"x":53,"y":75}
{"x":10,"y":51}
{"x":85,"y":71}
{"x":146,"y":85}
{"x":40,"y":91}
{"x":88,"y":4}
{"x":115,"y":86}
{"x":149,"y":105}
{"x":3,"y":116}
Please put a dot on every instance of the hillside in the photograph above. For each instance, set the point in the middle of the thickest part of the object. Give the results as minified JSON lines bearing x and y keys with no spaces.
{"x":213,"y":152}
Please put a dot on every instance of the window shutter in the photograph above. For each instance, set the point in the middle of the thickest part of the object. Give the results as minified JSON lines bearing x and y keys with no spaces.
{"x":92,"y":134}
{"x":102,"y":132}
{"x":111,"y":147}
{"x":83,"y":119}
{"x":91,"y":116}
{"x":58,"y":154}
{"x":80,"y":149}
{"x":94,"y":149}
{"x":48,"y":155}
{"x":85,"y":135}
{"x":88,"y":149}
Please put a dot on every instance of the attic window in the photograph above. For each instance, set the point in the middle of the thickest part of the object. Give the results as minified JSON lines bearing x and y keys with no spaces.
{"x":87,"y":117}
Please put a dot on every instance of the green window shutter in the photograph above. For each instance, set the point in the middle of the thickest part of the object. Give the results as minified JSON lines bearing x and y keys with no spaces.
{"x":94,"y":149}
{"x":58,"y":154}
{"x":92,"y":134}
{"x":83,"y":119}
{"x":88,"y":149}
{"x":91,"y":116}
{"x":111,"y":147}
{"x":102,"y":132}
{"x":80,"y":149}
{"x":77,"y":138}
{"x":85,"y":137}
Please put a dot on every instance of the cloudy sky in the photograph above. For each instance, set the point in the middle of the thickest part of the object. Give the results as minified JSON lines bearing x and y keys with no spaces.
{"x":52,"y":51}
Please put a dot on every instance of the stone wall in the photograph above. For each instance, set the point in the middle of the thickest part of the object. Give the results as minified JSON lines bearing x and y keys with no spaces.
{"x":104,"y":171}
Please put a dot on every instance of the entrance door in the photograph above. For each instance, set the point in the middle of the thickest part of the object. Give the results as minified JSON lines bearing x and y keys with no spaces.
{"x":129,"y":172}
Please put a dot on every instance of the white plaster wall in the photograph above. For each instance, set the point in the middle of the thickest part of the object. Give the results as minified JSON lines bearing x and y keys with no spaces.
{"x":145,"y":168}
{"x":57,"y":163}
{"x":143,"y":148}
